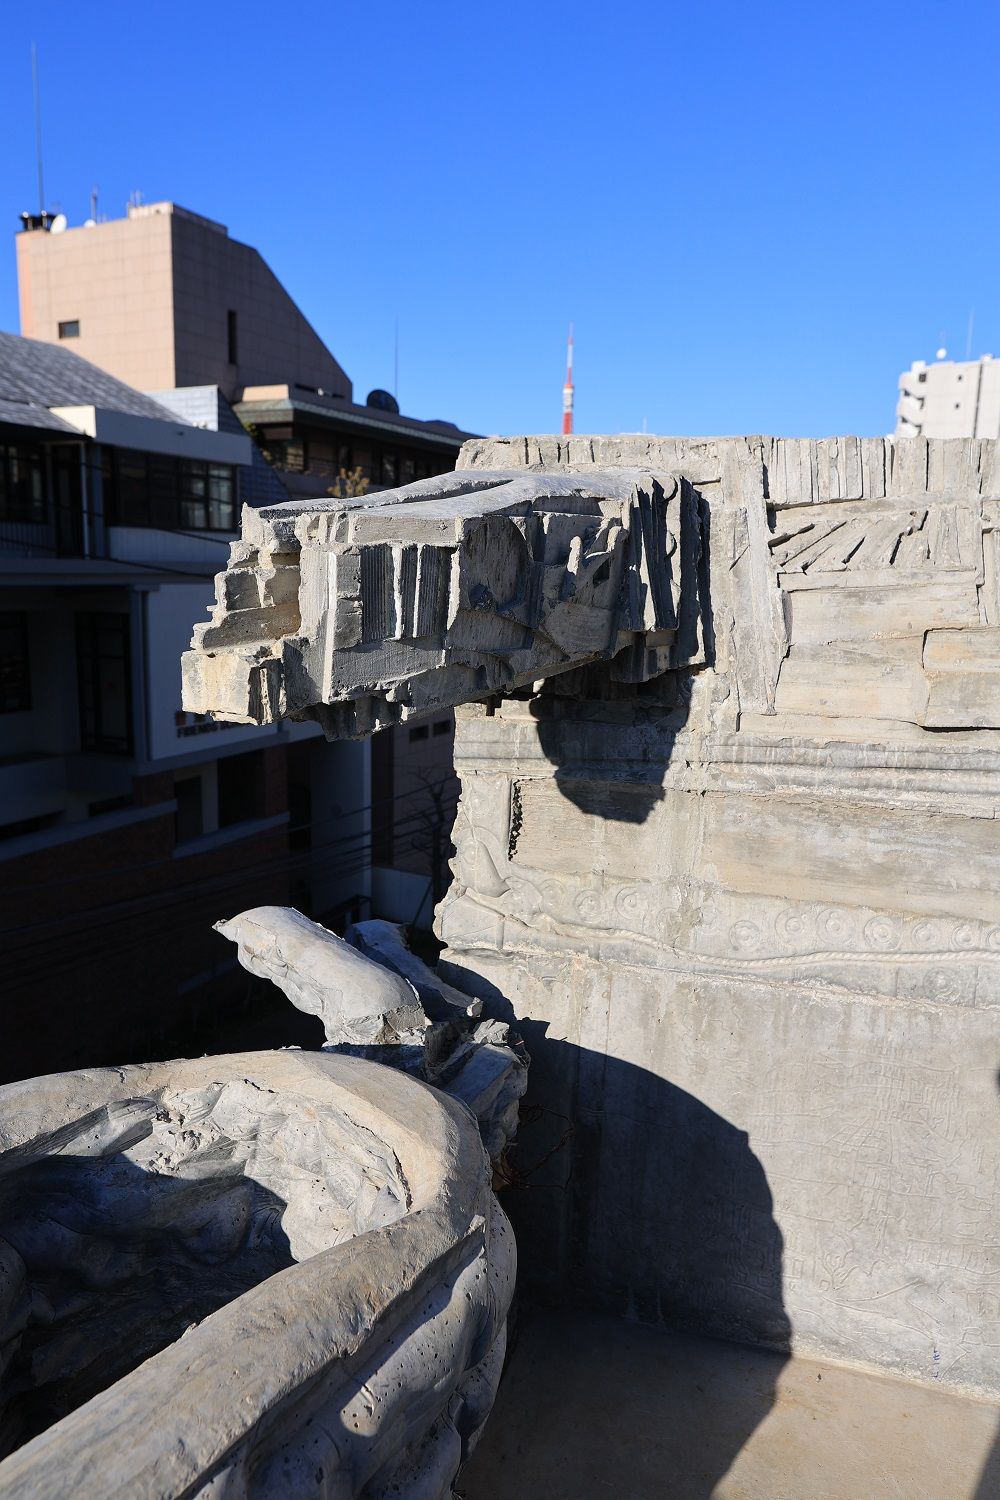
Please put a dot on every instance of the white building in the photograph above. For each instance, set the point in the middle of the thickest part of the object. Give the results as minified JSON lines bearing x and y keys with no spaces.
{"x":950,"y":398}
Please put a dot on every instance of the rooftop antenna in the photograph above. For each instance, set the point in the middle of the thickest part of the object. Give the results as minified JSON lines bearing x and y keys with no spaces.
{"x":567,"y":422}
{"x":38,"y":128}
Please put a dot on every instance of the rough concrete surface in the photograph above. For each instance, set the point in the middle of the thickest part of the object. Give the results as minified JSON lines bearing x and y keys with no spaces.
{"x":592,"y":1408}
{"x":376,"y":999}
{"x":265,"y":1274}
{"x":728,"y":851}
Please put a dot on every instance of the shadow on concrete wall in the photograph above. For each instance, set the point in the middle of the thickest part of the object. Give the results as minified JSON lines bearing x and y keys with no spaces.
{"x":631,"y":1196}
{"x":647,"y":716}
{"x":989,"y":1480}
{"x":103,"y":1264}
{"x":988,"y":1487}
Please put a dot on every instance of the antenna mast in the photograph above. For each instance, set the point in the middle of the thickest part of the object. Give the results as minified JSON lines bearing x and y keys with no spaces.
{"x":38,"y":128}
{"x":567,"y":422}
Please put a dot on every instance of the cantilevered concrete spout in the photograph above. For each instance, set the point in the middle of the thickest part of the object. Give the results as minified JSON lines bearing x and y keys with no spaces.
{"x":446,"y":591}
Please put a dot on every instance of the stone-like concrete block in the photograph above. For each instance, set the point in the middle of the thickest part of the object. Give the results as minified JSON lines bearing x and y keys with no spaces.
{"x":730,"y":855}
{"x":268,"y":1274}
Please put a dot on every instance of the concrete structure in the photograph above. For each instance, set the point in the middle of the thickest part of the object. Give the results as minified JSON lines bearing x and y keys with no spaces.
{"x":271,"y":1274}
{"x":727,"y":845}
{"x":377,"y":999}
{"x":950,"y":399}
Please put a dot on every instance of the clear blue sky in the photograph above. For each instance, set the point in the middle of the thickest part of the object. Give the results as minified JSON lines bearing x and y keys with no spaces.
{"x":755,"y":215}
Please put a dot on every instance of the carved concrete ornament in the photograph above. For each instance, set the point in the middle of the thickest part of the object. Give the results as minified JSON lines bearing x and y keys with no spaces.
{"x":448,"y":590}
{"x":727,"y":841}
{"x":266,"y":1274}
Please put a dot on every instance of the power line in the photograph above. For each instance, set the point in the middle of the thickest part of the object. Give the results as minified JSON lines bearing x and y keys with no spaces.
{"x":381,"y":802}
{"x":28,"y":973}
{"x":348,"y":847}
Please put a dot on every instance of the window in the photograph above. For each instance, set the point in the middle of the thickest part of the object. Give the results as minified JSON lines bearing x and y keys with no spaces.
{"x":419,"y":732}
{"x":15,"y":667}
{"x":22,"y":483}
{"x":241,"y":788}
{"x":221,"y":498}
{"x":231,"y":337}
{"x":103,"y":662}
{"x":151,"y":489}
{"x":194,"y":493}
{"x":189,"y":819}
{"x":443,"y":726}
{"x":70,"y":330}
{"x":132,"y":489}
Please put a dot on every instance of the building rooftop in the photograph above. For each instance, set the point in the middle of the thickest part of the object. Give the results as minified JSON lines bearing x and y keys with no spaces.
{"x":261,"y":401}
{"x":35,"y":376}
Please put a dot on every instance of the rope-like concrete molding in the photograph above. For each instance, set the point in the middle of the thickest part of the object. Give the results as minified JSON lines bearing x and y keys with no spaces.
{"x":366,"y":1365}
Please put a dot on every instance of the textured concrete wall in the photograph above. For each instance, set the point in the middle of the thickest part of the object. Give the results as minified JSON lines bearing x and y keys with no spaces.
{"x":727,"y":840}
{"x":751,"y":917}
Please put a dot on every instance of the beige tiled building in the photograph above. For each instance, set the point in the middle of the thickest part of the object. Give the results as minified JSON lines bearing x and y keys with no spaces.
{"x":165,"y":298}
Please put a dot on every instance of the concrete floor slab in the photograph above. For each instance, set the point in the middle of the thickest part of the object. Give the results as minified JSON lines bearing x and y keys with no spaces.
{"x":592,"y":1408}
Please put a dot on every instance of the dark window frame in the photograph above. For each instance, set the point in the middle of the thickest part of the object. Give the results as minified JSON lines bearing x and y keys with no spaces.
{"x":24,"y":496}
{"x":70,"y":328}
{"x":91,"y":626}
{"x":15,"y":685}
{"x":170,"y":494}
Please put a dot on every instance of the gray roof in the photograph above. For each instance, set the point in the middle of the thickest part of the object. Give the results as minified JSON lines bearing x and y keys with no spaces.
{"x":347,"y":414}
{"x":206,"y":406}
{"x":35,"y":376}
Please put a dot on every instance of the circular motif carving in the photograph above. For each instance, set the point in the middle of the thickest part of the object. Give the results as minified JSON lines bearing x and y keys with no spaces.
{"x":964,"y":935}
{"x":744,"y":936}
{"x":941,"y":984}
{"x":791,"y":926}
{"x":628,"y":902}
{"x":833,"y":924}
{"x":587,"y":905}
{"x":924,"y":935}
{"x":882,"y":932}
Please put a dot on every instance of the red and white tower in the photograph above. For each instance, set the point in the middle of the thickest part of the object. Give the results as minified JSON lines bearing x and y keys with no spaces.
{"x":568,"y":387}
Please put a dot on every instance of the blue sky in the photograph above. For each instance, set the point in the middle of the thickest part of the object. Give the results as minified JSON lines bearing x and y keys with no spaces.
{"x":756,"y":216}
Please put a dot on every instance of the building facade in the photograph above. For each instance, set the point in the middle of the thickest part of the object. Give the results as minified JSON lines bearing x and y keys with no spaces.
{"x":950,"y":398}
{"x":123,"y":820}
{"x":166,"y":379}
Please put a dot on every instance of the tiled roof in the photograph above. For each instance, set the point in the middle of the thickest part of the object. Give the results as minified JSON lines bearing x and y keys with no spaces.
{"x":35,"y":376}
{"x":22,"y":414}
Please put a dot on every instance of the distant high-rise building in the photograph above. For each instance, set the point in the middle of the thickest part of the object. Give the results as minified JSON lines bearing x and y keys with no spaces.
{"x":950,"y":398}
